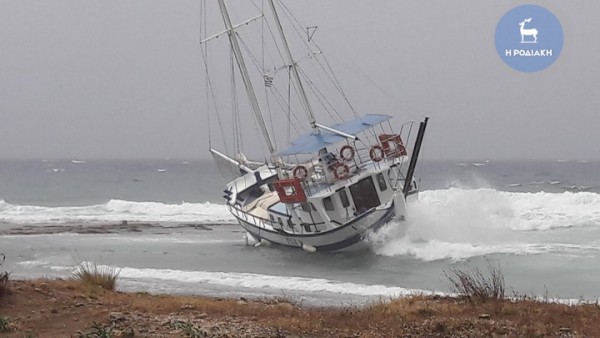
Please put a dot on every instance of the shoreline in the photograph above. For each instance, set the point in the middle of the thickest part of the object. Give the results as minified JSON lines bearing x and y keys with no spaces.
{"x":62,"y":308}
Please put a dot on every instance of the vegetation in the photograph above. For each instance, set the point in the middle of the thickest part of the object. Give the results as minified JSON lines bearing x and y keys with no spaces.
{"x":119,"y":314}
{"x":475,"y":285}
{"x":97,"y":331}
{"x":91,"y":274}
{"x":4,"y":278}
{"x":4,"y":324}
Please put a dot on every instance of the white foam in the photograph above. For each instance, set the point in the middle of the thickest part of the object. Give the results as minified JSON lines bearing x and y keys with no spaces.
{"x":270,"y":282}
{"x":117,"y":211}
{"x":460,"y":223}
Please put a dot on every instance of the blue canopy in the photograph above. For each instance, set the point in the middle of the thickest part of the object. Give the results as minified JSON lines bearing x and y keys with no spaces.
{"x":311,"y":142}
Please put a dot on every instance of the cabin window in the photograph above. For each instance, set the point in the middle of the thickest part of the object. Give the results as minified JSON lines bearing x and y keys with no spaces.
{"x":272,"y":218}
{"x":364,"y":195}
{"x":312,"y":206}
{"x":344,"y":198}
{"x":305,"y":207}
{"x":328,"y":204}
{"x":381,"y":181}
{"x":290,"y":223}
{"x":280,"y":221}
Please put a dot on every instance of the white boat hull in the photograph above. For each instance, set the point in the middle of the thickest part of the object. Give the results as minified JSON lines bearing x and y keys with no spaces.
{"x":343,"y":237}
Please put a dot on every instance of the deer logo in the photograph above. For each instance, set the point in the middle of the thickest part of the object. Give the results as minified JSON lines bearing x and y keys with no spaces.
{"x":527,"y":32}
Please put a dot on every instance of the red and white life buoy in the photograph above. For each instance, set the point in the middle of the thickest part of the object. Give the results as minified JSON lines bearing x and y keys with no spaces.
{"x":376,"y":153}
{"x":300,"y":172}
{"x":347,"y":153}
{"x":341,"y":171}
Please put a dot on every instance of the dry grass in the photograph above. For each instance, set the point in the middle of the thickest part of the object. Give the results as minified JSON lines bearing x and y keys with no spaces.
{"x":4,"y":278}
{"x":94,"y":275}
{"x":416,"y":316}
{"x":475,"y":285}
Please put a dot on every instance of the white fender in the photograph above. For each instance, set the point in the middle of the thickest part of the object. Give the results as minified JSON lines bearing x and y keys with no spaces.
{"x":308,"y":248}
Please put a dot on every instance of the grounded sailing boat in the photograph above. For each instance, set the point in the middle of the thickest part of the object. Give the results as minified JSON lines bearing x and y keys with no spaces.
{"x":330,"y":186}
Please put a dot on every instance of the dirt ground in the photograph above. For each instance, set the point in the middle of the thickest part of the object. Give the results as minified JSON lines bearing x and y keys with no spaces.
{"x":66,"y":308}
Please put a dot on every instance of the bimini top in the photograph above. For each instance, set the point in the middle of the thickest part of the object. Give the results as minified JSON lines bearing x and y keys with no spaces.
{"x":311,"y":142}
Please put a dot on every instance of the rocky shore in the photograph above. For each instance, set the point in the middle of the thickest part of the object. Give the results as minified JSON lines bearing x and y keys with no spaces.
{"x":65,"y":308}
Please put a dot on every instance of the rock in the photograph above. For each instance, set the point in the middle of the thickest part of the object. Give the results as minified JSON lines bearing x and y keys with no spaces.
{"x":241,"y":302}
{"x":54,"y":311}
{"x":202,"y":315}
{"x":79,"y":304}
{"x":484,"y":316}
{"x":565,"y":330}
{"x":116,"y":316}
{"x":187,"y":307}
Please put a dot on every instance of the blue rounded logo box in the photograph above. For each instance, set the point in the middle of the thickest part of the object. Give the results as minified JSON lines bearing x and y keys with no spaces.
{"x":529,"y":38}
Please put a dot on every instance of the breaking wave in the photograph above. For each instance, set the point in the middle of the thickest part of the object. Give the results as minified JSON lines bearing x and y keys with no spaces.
{"x":459,"y":223}
{"x":265,"y":282}
{"x":117,"y":211}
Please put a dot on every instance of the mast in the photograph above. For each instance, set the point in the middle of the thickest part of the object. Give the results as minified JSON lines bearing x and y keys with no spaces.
{"x":295,"y":75}
{"x":245,"y":77}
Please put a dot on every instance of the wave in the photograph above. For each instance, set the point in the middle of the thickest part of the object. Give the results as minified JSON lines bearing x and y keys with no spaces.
{"x":117,"y":211}
{"x":267,"y":282}
{"x":459,"y":223}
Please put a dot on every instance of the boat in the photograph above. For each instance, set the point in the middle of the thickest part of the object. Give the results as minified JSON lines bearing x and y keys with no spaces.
{"x":331,"y":186}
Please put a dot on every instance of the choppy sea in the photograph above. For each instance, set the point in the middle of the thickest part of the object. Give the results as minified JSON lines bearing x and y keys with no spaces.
{"x":538,"y":221}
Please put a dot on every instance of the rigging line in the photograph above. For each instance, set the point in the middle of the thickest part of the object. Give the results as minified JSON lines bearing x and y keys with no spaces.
{"x":210,"y":88}
{"x":335,"y":81}
{"x":289,"y":107}
{"x":281,"y":102}
{"x":291,"y":18}
{"x":319,"y":95}
{"x":264,"y":21}
{"x":259,"y":68}
{"x":376,"y":85}
{"x":249,"y":52}
{"x":355,"y":68}
{"x":206,"y":84}
{"x":337,"y":84}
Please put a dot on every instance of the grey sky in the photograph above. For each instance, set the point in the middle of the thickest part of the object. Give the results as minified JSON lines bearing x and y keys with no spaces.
{"x":123,"y":79}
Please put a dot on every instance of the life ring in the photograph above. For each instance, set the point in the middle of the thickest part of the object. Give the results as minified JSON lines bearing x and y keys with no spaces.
{"x":376,"y":153}
{"x":300,"y":172}
{"x":347,"y":153}
{"x":341,"y":171}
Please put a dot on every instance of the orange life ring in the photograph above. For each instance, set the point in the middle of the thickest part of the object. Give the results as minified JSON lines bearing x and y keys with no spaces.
{"x":347,"y":153}
{"x":376,"y":153}
{"x":300,"y":172}
{"x":341,"y":171}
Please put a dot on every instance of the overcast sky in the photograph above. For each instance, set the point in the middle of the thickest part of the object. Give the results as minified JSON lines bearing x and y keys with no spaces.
{"x":122,"y":79}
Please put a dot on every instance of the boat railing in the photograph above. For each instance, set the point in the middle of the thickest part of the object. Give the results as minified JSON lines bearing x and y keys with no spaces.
{"x":252,"y":219}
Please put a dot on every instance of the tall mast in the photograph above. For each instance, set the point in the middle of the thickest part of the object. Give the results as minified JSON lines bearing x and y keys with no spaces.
{"x":294,"y":67}
{"x":245,"y":77}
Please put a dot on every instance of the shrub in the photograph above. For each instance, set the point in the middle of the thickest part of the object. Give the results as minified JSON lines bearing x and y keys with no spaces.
{"x":92,"y":274}
{"x":471,"y":283}
{"x":4,"y":324}
{"x":97,"y":331}
{"x":4,"y":278}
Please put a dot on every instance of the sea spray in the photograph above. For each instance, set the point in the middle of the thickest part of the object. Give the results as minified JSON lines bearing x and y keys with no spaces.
{"x":460,"y":223}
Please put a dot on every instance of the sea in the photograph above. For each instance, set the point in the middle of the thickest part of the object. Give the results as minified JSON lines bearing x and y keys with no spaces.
{"x":163,"y":225}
